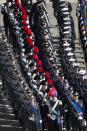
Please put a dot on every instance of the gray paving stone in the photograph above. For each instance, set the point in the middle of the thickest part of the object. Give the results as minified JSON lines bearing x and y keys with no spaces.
{"x":79,"y":55}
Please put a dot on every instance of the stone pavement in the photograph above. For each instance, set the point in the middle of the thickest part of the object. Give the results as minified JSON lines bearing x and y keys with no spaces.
{"x":73,"y":13}
{"x":54,"y":22}
{"x":1,"y":22}
{"x":2,"y":1}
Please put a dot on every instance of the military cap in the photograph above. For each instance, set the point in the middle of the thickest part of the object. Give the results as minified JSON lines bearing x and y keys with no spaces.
{"x":30,"y":41}
{"x":39,"y":63}
{"x":36,"y":50}
{"x":31,"y":53}
{"x":27,"y":21}
{"x":29,"y":74}
{"x":81,"y":23}
{"x":26,"y":66}
{"x":22,"y":54}
{"x":67,"y":27}
{"x":35,"y":57}
{"x":40,"y":69}
{"x":51,"y":59}
{"x":84,"y":38}
{"x":67,"y":23}
{"x":76,"y":64}
{"x":62,"y":4}
{"x":29,"y":32}
{"x":71,"y":60}
{"x":66,"y":32}
{"x":82,"y":72}
{"x":70,"y":54}
{"x":83,"y":32}
{"x":65,"y":9}
{"x":66,"y":20}
{"x":50,"y":82}
{"x":68,"y":49}
{"x":47,"y":75}
{"x":65,"y":13}
{"x":66,"y":44}
{"x":25,"y":28}
{"x":81,"y":18}
{"x":23,"y":50}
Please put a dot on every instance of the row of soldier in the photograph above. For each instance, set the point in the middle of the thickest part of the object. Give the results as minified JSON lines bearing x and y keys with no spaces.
{"x":62,"y":12}
{"x":45,"y":35}
{"x":42,"y":33}
{"x":82,"y":26}
{"x":30,"y":64}
{"x":68,"y":59}
{"x":43,"y":28}
{"x":29,"y":56}
{"x":17,"y":89}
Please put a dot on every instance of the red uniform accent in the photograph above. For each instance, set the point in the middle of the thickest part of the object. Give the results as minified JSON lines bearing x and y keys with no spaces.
{"x":24,"y":23}
{"x":39,"y":63}
{"x":40,"y":70}
{"x":52,"y":92}
{"x":30,"y":42}
{"x":35,"y":57}
{"x":25,"y":28}
{"x":17,"y":2}
{"x":36,"y":50}
{"x":21,"y":8}
{"x":24,"y":16}
{"x":29,"y":32}
{"x":47,"y":75}
{"x":50,"y":82}
{"x":23,"y":12}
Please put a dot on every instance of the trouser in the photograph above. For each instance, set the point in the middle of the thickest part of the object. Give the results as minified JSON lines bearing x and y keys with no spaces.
{"x":38,"y":123}
{"x":5,"y":25}
{"x":57,"y":122}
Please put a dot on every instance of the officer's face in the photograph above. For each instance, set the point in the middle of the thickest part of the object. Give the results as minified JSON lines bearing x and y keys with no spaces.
{"x":13,"y":62}
{"x":54,"y":98}
{"x":75,"y":97}
{"x":62,"y":77}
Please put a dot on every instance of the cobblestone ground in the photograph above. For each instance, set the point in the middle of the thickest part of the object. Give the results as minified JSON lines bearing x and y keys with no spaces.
{"x":1,"y":22}
{"x":74,"y":6}
{"x":2,"y":1}
{"x":1,"y":18}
